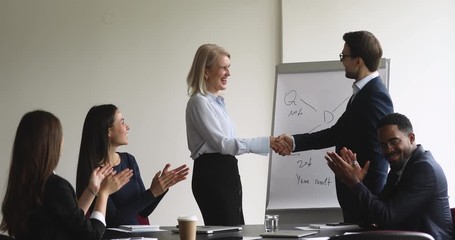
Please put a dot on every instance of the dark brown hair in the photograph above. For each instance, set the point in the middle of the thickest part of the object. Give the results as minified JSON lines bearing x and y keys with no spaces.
{"x":94,"y":143}
{"x":35,"y":155}
{"x":365,"y":45}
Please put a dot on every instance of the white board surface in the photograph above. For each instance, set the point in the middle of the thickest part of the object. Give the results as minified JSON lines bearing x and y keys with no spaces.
{"x":308,"y":97}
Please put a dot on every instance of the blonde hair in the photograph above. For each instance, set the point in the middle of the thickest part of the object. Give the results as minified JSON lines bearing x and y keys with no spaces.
{"x":206,"y":55}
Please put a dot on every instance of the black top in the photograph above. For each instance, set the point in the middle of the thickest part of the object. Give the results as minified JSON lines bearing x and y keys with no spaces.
{"x":59,"y":217}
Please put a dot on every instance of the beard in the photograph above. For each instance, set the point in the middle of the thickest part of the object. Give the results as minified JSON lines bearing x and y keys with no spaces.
{"x":397,"y":165}
{"x":351,"y":75}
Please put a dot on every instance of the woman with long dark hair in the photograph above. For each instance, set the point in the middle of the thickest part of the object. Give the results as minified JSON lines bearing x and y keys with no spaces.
{"x":103,"y":132}
{"x":38,"y":203}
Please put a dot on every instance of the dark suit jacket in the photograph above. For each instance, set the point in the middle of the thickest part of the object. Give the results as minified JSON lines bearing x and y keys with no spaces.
{"x":419,"y":202}
{"x":59,"y":217}
{"x":356,"y":130}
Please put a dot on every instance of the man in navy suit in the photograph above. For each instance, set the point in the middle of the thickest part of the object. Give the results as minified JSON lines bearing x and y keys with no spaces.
{"x":356,"y":128}
{"x":415,"y":195}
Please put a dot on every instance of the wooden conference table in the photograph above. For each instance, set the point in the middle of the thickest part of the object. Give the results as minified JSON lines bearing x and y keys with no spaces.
{"x":247,"y":231}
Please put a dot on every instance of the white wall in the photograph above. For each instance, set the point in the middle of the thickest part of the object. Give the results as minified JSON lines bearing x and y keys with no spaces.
{"x":66,"y":56}
{"x":418,"y":37}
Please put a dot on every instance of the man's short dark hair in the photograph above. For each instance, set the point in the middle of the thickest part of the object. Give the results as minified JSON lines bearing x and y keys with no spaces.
{"x":403,"y":123}
{"x":365,"y":45}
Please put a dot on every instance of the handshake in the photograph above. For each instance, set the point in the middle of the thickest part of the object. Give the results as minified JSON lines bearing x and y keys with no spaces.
{"x":282,"y":144}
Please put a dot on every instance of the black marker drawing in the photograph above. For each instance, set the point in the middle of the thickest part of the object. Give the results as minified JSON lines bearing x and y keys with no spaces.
{"x":290,"y":99}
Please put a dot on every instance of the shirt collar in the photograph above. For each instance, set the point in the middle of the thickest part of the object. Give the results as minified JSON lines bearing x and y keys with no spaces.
{"x":213,"y":97}
{"x":357,"y":86}
{"x":399,"y":172}
{"x":407,"y":160}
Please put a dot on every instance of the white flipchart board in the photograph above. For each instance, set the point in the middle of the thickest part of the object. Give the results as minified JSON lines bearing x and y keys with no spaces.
{"x":308,"y":97}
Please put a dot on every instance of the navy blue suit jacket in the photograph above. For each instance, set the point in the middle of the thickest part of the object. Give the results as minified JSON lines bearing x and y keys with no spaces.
{"x":131,"y":200}
{"x":419,"y":202}
{"x":356,"y":130}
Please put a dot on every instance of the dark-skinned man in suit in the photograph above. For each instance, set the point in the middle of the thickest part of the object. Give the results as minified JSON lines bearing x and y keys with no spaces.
{"x":415,"y":196}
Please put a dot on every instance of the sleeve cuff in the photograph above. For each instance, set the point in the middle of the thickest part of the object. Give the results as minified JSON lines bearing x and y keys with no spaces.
{"x":260,"y":145}
{"x":99,"y":216}
{"x":293,"y":143}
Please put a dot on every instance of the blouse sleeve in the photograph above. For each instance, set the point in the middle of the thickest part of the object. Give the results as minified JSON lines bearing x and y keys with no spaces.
{"x":205,"y":122}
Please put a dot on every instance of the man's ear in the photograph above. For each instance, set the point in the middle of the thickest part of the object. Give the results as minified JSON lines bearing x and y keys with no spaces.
{"x":412,"y":137}
{"x":359,"y":62}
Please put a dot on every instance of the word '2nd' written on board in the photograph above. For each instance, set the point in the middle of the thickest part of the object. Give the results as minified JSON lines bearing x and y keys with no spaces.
{"x":298,"y":107}
{"x":301,"y":163}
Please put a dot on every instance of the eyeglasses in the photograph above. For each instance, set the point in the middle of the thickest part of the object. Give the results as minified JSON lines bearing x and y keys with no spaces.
{"x":342,"y":56}
{"x":392,"y":143}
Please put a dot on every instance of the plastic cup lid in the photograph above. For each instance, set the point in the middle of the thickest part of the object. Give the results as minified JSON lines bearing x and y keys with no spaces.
{"x":187,"y":218}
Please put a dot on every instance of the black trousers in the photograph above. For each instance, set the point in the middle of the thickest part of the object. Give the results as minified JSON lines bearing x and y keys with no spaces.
{"x":217,"y":189}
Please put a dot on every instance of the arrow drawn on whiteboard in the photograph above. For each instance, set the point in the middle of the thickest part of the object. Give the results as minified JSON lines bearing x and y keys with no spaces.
{"x":328,"y":116}
{"x":291,"y":97}
{"x":309,"y":105}
{"x":341,"y":104}
{"x":314,"y":128}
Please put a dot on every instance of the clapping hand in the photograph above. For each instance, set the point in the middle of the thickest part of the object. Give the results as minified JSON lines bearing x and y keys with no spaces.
{"x":346,"y":167}
{"x":95,"y":182}
{"x":165,"y":179}
{"x":114,"y":181}
{"x":98,"y":176}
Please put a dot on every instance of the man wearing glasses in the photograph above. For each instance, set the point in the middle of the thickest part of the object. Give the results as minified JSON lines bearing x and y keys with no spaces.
{"x":356,"y":128}
{"x":415,"y":195}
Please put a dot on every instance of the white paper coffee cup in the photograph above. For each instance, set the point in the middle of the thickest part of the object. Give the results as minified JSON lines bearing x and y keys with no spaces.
{"x":187,"y":227}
